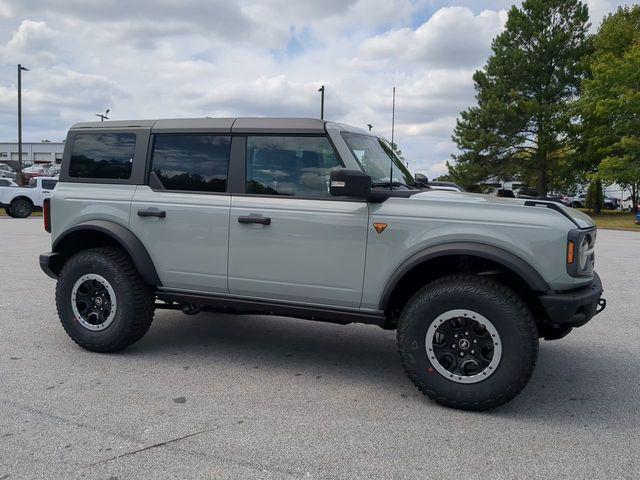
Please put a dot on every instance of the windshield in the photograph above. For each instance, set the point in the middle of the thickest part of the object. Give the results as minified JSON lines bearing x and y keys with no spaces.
{"x":374,"y":155}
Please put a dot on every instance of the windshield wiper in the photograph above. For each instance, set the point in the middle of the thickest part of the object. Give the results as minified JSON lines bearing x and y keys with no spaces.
{"x":394,"y":184}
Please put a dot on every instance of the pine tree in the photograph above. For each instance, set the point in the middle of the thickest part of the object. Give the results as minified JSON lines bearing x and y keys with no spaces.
{"x":519,"y":125}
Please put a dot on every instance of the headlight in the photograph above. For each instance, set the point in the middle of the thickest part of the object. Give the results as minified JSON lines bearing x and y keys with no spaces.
{"x":581,"y":252}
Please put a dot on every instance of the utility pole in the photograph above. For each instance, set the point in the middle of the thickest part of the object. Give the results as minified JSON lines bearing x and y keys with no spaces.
{"x":20,"y":69}
{"x":370,"y":126}
{"x":321,"y":90}
{"x":103,"y":116}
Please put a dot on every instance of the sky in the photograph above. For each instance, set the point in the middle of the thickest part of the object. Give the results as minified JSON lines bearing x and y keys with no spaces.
{"x":217,"y":58}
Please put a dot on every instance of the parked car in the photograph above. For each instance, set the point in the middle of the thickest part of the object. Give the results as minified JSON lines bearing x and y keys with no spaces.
{"x":579,"y":201}
{"x":505,"y":193}
{"x":53,"y":170}
{"x":611,"y":203}
{"x":7,"y":172}
{"x":7,"y":182}
{"x":20,"y":202}
{"x":526,"y":193}
{"x":627,"y":204}
{"x":301,"y":218}
{"x":638,"y":218}
{"x":33,"y":171}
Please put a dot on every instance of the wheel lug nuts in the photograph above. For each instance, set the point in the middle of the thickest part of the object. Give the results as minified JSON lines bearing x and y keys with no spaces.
{"x":466,"y":333}
{"x":473,"y":351}
{"x":461,"y":354}
{"x":455,"y":336}
{"x":475,"y":341}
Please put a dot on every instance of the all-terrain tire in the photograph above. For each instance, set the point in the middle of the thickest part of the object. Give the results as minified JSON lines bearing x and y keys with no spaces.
{"x":134,"y":299}
{"x":21,"y":208}
{"x":491,"y":299}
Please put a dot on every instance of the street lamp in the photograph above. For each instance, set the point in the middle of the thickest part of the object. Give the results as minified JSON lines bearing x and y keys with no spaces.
{"x":103,"y":116}
{"x":20,"y":69}
{"x":370,"y":126}
{"x":321,"y":90}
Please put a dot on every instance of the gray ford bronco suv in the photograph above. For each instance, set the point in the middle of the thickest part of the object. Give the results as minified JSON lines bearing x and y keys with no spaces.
{"x":317,"y":220}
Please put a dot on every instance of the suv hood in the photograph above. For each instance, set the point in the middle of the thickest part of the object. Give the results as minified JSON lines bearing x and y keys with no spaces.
{"x":581,"y":219}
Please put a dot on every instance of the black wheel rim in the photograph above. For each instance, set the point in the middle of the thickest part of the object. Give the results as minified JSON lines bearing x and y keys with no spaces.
{"x":94,"y":302}
{"x":463,"y":346}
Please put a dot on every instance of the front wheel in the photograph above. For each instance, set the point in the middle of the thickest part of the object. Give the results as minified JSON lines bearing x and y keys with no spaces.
{"x":468,"y":342}
{"x":103,"y":303}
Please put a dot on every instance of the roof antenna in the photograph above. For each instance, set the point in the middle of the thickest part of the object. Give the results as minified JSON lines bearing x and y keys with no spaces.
{"x":393,"y":127}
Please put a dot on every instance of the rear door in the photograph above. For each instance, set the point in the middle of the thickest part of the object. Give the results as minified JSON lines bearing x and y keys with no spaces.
{"x":182,"y":215}
{"x":289,"y":239}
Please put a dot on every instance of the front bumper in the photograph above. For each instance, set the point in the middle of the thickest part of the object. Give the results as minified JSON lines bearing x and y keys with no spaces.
{"x":576,"y":307}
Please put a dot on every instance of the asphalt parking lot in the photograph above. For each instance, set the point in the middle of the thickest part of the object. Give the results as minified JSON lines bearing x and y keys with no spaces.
{"x":215,"y":396}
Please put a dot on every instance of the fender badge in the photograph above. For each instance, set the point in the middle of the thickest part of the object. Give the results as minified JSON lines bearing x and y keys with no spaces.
{"x":379,"y":227}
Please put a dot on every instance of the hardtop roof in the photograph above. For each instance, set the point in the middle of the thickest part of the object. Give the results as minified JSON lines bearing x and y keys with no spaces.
{"x":221,"y":125}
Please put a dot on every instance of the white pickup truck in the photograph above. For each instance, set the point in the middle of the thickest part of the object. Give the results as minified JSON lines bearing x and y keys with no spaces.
{"x":20,"y":202}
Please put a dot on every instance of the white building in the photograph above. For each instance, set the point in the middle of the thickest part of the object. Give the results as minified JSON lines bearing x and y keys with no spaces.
{"x":32,"y":152}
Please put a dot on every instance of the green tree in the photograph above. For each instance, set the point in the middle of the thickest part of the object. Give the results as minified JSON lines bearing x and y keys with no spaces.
{"x":609,"y":109}
{"x":595,"y":196}
{"x":519,"y":126}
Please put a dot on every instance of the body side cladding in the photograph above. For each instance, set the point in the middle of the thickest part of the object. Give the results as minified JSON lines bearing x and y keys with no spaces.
{"x":132,"y":245}
{"x":488,"y":252}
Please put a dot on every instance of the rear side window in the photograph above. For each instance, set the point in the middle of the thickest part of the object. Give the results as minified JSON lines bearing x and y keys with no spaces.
{"x":294,"y":166}
{"x":49,"y":184}
{"x":102,"y":155}
{"x":195,"y":163}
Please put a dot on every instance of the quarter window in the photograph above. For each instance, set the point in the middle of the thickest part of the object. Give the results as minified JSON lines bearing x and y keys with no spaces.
{"x":49,"y":184}
{"x":102,"y":155}
{"x":196,"y":163}
{"x":293,"y":166}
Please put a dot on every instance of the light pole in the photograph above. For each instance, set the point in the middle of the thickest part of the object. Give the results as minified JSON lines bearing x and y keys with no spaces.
{"x":103,"y":116}
{"x":370,"y":126}
{"x":20,"y":69}
{"x":321,"y":90}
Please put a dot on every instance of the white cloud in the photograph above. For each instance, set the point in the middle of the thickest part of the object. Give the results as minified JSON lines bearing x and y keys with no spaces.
{"x":452,"y":37}
{"x":32,"y":42}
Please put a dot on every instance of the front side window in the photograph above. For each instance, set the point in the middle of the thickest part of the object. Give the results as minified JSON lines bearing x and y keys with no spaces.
{"x":195,"y":163}
{"x":375,"y":157}
{"x":293,"y":166}
{"x":102,"y":155}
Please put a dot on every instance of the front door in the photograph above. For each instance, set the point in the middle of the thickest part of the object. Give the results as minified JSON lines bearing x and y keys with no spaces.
{"x":182,"y":217}
{"x":289,"y":240}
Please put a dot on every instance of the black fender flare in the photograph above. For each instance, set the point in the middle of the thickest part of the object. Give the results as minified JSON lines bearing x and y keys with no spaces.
{"x":125,"y":237}
{"x":489,"y":252}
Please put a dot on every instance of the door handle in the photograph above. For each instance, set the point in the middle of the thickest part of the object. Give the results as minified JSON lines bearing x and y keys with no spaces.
{"x":254,"y":219}
{"x":150,"y":212}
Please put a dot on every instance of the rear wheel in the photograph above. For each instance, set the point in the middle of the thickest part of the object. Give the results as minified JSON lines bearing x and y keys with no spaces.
{"x":21,"y":208}
{"x":468,"y":342}
{"x":103,"y":303}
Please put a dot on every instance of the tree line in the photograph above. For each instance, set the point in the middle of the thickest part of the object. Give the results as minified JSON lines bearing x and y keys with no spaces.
{"x":558,"y":108}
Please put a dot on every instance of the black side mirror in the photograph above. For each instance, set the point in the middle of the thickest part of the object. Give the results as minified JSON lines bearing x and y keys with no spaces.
{"x":349,"y":183}
{"x":421,"y":180}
